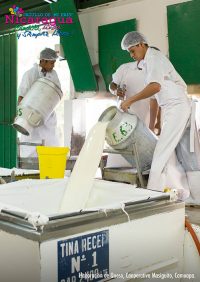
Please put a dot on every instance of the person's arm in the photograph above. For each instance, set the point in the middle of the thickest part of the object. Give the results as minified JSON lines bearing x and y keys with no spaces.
{"x":25,"y":85}
{"x":153,"y":113}
{"x":56,"y":79}
{"x":116,"y":90}
{"x":112,"y":88}
{"x":20,"y":99}
{"x":151,"y":89}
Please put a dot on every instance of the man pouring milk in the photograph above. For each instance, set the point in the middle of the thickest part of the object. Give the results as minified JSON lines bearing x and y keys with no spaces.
{"x":169,"y":89}
{"x":48,"y":130}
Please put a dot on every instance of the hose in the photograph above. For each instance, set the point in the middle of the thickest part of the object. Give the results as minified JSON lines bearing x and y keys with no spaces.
{"x":193,"y":234}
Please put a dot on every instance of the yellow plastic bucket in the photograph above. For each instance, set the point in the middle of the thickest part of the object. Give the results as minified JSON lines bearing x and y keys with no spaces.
{"x":52,"y":161}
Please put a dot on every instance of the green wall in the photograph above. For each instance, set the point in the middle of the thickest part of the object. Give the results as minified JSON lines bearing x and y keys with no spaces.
{"x":184,"y":39}
{"x":8,"y":89}
{"x":76,"y":54}
{"x":111,"y":56}
{"x":75,"y":49}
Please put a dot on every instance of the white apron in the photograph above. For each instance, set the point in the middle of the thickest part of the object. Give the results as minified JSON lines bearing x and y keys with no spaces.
{"x":47,"y":132}
{"x":193,"y":177}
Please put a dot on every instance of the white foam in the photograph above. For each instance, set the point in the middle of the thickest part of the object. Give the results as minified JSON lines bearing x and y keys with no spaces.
{"x":17,"y":171}
{"x":45,"y":195}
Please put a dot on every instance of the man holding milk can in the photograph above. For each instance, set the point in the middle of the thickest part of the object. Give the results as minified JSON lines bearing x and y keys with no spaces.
{"x":170,"y":91}
{"x":48,"y":130}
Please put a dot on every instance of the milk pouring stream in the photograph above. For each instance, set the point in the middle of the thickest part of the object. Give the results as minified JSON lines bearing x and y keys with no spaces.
{"x":81,"y":180}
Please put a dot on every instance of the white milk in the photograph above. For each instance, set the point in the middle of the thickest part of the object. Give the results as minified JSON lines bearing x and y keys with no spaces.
{"x":82,"y":177}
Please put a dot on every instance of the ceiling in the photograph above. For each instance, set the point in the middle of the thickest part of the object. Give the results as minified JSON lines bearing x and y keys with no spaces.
{"x":83,"y":4}
{"x":80,"y":4}
{"x":25,"y":4}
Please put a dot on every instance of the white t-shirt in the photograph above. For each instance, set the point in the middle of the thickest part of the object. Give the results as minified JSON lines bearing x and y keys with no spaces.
{"x":133,"y":78}
{"x":159,"y":69}
{"x":32,"y":75}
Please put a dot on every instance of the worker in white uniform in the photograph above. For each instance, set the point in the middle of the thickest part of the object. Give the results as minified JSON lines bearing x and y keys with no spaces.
{"x":128,"y":80}
{"x":161,"y":80}
{"x":131,"y":78}
{"x":48,"y":131}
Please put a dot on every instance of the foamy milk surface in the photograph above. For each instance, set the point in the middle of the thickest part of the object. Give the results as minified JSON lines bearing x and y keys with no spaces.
{"x":81,"y":180}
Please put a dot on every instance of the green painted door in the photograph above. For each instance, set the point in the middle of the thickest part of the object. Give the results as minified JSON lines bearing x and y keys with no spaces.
{"x":183,"y":34}
{"x":75,"y":49}
{"x":8,"y":89}
{"x":111,"y":56}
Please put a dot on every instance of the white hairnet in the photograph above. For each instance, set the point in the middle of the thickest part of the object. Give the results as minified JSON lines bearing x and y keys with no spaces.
{"x":48,"y":54}
{"x":132,"y":39}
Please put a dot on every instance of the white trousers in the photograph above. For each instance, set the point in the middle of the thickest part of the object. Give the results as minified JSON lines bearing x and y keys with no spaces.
{"x":165,"y":167}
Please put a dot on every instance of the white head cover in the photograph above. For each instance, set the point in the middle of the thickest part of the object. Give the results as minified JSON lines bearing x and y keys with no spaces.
{"x":48,"y":54}
{"x":131,"y":39}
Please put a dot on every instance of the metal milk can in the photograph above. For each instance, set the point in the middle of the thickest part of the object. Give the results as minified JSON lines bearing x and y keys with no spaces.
{"x":38,"y":104}
{"x":125,"y":129}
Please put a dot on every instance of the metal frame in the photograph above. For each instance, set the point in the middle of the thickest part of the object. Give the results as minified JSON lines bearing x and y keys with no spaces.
{"x":33,"y":161}
{"x":135,"y":155}
{"x":70,"y":224}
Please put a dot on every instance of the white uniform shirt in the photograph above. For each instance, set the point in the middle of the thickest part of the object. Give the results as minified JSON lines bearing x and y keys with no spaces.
{"x":133,"y":78}
{"x":159,"y":69}
{"x":48,"y":131}
{"x":32,"y":75}
{"x":176,"y":110}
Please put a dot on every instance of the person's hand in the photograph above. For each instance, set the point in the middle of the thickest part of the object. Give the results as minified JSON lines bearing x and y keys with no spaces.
{"x":125,"y":105}
{"x":151,"y":128}
{"x":157,"y":128}
{"x":121,"y":92}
